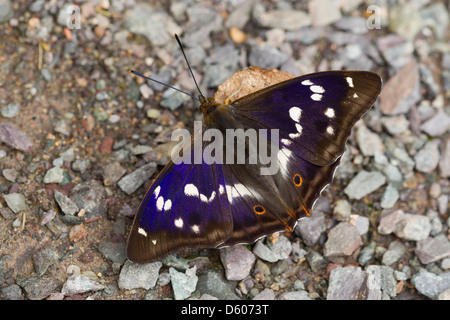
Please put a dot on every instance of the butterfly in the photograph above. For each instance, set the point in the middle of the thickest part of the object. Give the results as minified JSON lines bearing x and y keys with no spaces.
{"x":201,"y":205}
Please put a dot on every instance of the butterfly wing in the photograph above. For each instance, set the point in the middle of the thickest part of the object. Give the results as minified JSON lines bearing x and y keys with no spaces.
{"x":313,"y":130}
{"x":315,"y":113}
{"x":186,"y":207}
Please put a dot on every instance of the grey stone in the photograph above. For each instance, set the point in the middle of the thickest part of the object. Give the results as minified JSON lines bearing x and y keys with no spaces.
{"x":395,"y":252}
{"x":282,"y":247}
{"x":6,"y":10}
{"x":433,"y":249}
{"x":237,"y":261}
{"x":413,"y":227}
{"x":16,"y":202}
{"x":78,"y":283}
{"x":395,"y":124}
{"x":212,"y":283}
{"x":427,"y":158}
{"x":267,"y":57}
{"x":346,"y":284}
{"x":444,"y":162}
{"x":183,"y":284}
{"x":266,"y":294}
{"x":12,"y":292}
{"x":240,"y":15}
{"x":390,"y":197}
{"x":360,"y":222}
{"x":283,"y":19}
{"x":368,"y":142}
{"x":436,"y":125}
{"x":131,"y":182}
{"x":112,"y":172}
{"x":263,"y":252}
{"x":384,"y":277}
{"x":37,"y":288}
{"x":343,"y":240}
{"x":367,"y":254}
{"x":90,"y":196}
{"x":159,"y":32}
{"x":316,"y":261}
{"x":324,"y":12}
{"x":342,"y":209}
{"x":436,"y":16}
{"x":54,"y":175}
{"x":352,"y":24}
{"x":294,"y":295}
{"x":113,"y":251}
{"x":43,"y":259}
{"x":430,"y":284}
{"x":405,"y":20}
{"x":364,"y":183}
{"x":135,"y":275}
{"x":310,"y":228}
{"x":10,"y":111}
{"x":65,"y":203}
{"x":14,"y":138}
{"x":445,"y":295}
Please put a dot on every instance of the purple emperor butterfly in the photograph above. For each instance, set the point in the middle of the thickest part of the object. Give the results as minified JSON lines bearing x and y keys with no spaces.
{"x":201,"y":205}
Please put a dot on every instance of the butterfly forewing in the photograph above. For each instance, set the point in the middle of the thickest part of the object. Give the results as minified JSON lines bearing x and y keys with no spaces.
{"x":315,"y":113}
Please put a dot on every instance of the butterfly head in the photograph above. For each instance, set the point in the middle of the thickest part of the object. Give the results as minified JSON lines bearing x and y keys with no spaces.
{"x":207,"y":105}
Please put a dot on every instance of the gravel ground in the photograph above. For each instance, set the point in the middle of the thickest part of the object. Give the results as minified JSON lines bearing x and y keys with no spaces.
{"x":81,"y":140}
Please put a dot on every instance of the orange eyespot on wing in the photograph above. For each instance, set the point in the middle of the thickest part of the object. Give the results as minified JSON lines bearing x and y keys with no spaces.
{"x":259,"y":209}
{"x":297,"y":179}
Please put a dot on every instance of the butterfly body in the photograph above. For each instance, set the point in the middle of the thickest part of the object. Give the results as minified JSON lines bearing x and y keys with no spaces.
{"x":200,"y":205}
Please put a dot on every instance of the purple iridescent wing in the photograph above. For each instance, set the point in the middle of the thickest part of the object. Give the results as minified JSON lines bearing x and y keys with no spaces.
{"x":186,"y":207}
{"x":315,"y":113}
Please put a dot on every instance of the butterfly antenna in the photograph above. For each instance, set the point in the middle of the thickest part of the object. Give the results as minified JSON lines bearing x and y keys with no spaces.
{"x":164,"y":84}
{"x":202,"y":97}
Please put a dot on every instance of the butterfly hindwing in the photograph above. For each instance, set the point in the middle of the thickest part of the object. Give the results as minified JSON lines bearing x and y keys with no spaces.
{"x":186,"y":207}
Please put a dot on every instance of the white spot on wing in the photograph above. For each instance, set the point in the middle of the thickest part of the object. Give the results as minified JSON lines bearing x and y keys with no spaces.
{"x":196,"y":229}
{"x":307,"y":83}
{"x":154,"y":241}
{"x":355,"y":95}
{"x":221,"y":189}
{"x":156,"y":191}
{"x":142,"y":231}
{"x":350,"y":81}
{"x":167,"y":205}
{"x":294,"y":135}
{"x":286,"y":142}
{"x":295,"y":113}
{"x":178,"y":223}
{"x":317,"y":89}
{"x":299,"y":128}
{"x":191,"y":190}
{"x":330,"y":113}
{"x":316,"y":97}
{"x":330,"y":130}
{"x":160,"y":203}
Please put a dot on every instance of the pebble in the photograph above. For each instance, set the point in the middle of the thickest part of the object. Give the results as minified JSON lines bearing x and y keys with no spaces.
{"x":10,"y":111}
{"x":368,"y":142}
{"x":14,"y":137}
{"x":267,"y":57}
{"x":213,"y":283}
{"x":77,"y":284}
{"x":433,"y":249}
{"x":364,"y":183}
{"x":159,"y":32}
{"x":44,"y":258}
{"x":352,"y":24}
{"x":282,"y":247}
{"x":444,"y":162}
{"x":430,"y":284}
{"x":78,"y":233}
{"x":342,"y":242}
{"x":400,"y":93}
{"x":427,"y":159}
{"x":445,"y":295}
{"x":311,"y":228}
{"x":266,"y":294}
{"x":342,"y":210}
{"x":65,"y":203}
{"x":437,"y":17}
{"x":436,"y":125}
{"x":54,"y":175}
{"x":136,"y":275}
{"x":360,"y":222}
{"x":346,"y":284}
{"x":6,"y":10}
{"x":12,"y":292}
{"x":405,"y":20}
{"x":16,"y":202}
{"x":132,"y":181}
{"x":62,"y":127}
{"x":395,"y":252}
{"x":112,"y":172}
{"x":113,"y":251}
{"x":413,"y":227}
{"x":367,"y":254}
{"x":316,"y":261}
{"x":37,"y":288}
{"x":283,"y":19}
{"x":183,"y":284}
{"x":384,"y":279}
{"x":237,"y":261}
{"x":323,"y":12}
{"x":90,"y":196}
{"x":395,"y":124}
{"x":390,"y":197}
{"x":294,"y":295}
